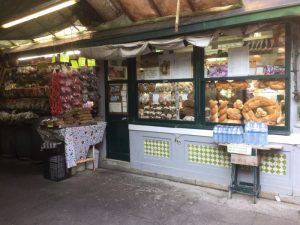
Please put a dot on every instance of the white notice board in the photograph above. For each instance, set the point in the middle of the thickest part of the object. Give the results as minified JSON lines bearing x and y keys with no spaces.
{"x":238,"y":61}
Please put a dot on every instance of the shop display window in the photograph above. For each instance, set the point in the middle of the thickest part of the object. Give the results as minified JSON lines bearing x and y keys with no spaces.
{"x":242,"y":75}
{"x":245,"y":76}
{"x":261,"y":52}
{"x":166,"y":85}
{"x":236,"y":101}
{"x":167,"y":101}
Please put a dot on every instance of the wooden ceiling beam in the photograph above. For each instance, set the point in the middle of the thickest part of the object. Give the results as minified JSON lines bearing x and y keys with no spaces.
{"x":191,"y":5}
{"x":155,"y":6}
{"x":124,"y":10}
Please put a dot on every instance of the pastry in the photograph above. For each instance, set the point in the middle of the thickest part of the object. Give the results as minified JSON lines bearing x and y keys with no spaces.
{"x":234,"y":114}
{"x":269,"y":106}
{"x":213,"y":105}
{"x":260,"y":113}
{"x":276,"y":84}
{"x":240,"y":85}
{"x":222,"y":110}
{"x":234,"y":121}
{"x":222,"y":85}
{"x":238,"y":104}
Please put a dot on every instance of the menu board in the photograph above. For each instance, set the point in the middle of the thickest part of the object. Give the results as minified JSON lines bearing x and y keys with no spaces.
{"x":118,"y":98}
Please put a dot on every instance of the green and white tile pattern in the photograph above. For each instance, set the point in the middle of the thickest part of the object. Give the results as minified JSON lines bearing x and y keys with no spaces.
{"x":157,"y":148}
{"x":274,"y":164}
{"x":208,"y":155}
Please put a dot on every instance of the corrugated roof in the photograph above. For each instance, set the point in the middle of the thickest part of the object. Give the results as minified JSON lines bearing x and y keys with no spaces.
{"x":95,"y":15}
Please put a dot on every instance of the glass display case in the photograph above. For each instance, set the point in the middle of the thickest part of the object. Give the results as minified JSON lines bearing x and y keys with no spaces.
{"x":245,"y":76}
{"x":167,"y":101}
{"x":165,"y":84}
{"x":235,"y":101}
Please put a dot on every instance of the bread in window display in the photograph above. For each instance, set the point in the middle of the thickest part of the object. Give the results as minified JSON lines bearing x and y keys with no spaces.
{"x":146,"y":87}
{"x":222,"y":111}
{"x":224,"y":85}
{"x":255,"y":108}
{"x":188,"y":111}
{"x":241,"y":85}
{"x":173,"y":110}
{"x":186,"y":87}
{"x":273,"y":84}
{"x":141,"y":88}
{"x":151,"y":87}
{"x":238,"y":104}
{"x":234,"y":114}
{"x":214,"y":108}
{"x":164,"y":99}
{"x":276,"y":84}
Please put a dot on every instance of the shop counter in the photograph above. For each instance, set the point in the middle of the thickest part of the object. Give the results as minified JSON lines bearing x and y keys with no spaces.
{"x":77,"y":140}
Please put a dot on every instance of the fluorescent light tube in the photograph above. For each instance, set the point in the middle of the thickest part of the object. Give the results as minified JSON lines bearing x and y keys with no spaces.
{"x":40,"y":13}
{"x":74,"y":52}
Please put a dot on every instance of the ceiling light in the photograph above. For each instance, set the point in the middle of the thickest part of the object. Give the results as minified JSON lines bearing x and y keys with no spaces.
{"x":40,"y":13}
{"x":44,"y":38}
{"x":75,"y":52}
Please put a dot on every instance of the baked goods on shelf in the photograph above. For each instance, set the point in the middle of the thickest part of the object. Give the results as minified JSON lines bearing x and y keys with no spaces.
{"x":238,"y":104}
{"x":225,"y":85}
{"x":241,"y":85}
{"x":234,"y":114}
{"x":261,"y":109}
{"x":214,"y":108}
{"x":222,"y":111}
{"x":273,"y":84}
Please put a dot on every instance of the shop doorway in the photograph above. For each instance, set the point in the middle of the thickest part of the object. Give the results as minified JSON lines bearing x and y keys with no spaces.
{"x":117,"y":109}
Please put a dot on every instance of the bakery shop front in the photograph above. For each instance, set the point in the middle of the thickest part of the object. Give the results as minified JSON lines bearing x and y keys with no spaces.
{"x":171,"y":94}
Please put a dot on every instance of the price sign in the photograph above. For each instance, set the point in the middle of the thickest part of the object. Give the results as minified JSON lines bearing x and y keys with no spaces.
{"x":91,"y":62}
{"x":239,"y":149}
{"x":63,"y":57}
{"x":74,"y":64}
{"x":53,"y":59}
{"x":81,"y":61}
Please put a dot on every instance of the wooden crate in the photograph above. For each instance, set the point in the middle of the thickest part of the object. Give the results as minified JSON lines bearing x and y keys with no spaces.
{"x":245,"y":160}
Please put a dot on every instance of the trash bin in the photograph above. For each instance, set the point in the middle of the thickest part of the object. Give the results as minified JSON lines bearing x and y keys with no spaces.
{"x":55,"y":167}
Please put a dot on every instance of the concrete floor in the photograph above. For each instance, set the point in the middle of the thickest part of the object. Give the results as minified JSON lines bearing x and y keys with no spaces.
{"x":111,"y":197}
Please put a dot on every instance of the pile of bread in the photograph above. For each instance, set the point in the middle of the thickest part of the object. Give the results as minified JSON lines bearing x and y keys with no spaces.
{"x":258,"y":108}
{"x":157,"y":111}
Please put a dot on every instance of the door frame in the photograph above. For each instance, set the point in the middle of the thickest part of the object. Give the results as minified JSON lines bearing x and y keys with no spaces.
{"x":131,"y":73}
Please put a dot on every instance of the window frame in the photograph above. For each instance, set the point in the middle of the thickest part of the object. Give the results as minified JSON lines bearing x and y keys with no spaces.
{"x":199,"y":80}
